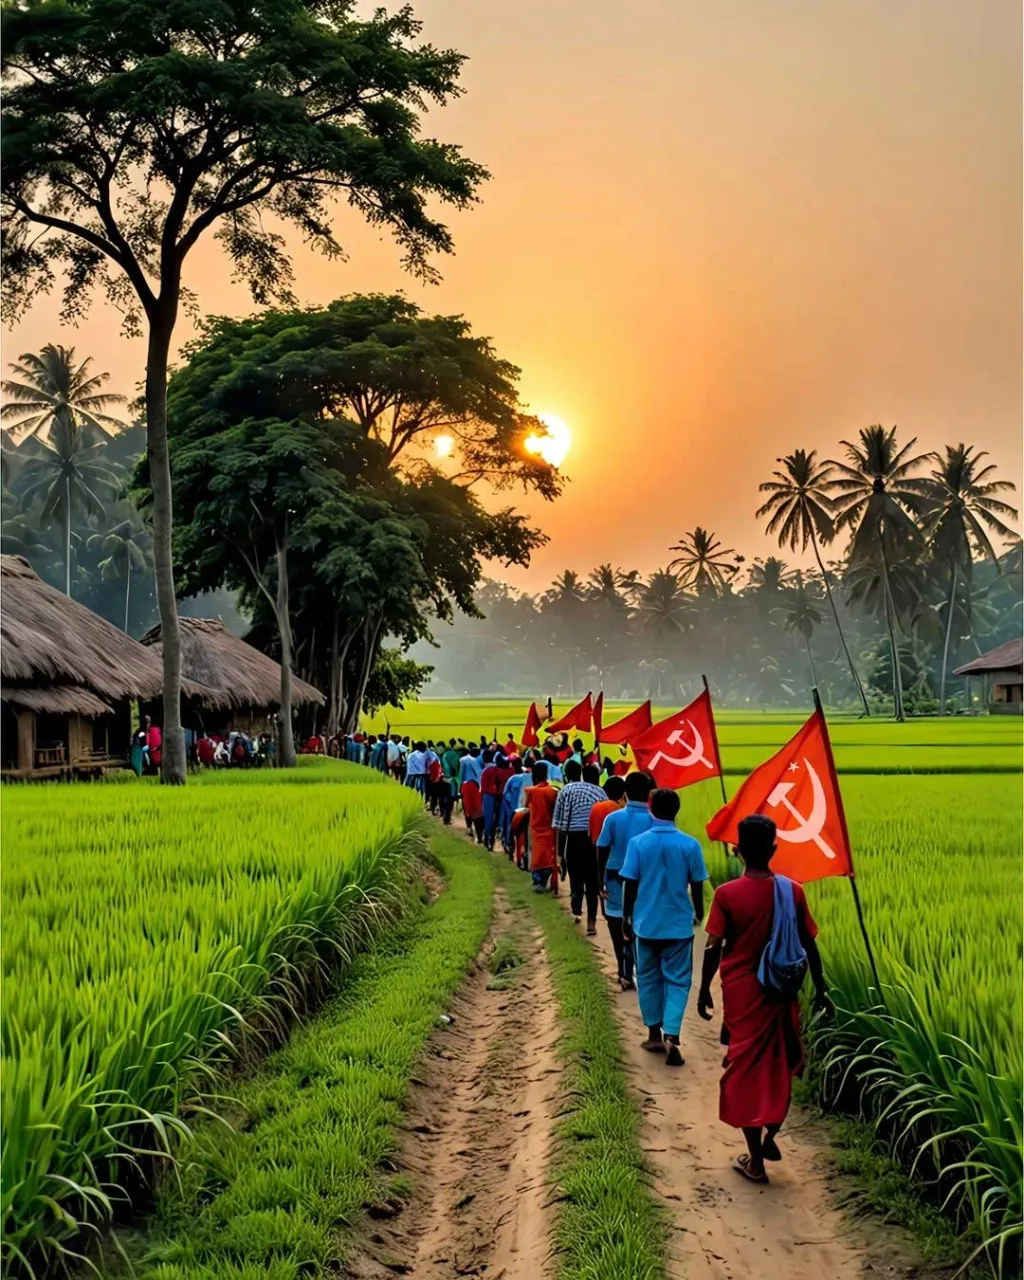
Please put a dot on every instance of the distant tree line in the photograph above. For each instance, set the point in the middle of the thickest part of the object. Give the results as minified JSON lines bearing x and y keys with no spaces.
{"x":911,"y":567}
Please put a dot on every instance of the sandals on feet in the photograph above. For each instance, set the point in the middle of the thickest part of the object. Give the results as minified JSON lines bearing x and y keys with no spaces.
{"x":653,"y":1046}
{"x":742,"y":1166}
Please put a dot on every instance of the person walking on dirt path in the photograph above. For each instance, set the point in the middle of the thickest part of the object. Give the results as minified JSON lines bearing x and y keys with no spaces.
{"x":450,"y":759}
{"x":539,"y":800}
{"x":492,"y":784}
{"x":612,"y":842}
{"x":471,"y":768}
{"x":576,"y":852}
{"x":616,"y":798}
{"x":510,"y":801}
{"x":762,"y":1033}
{"x":660,"y":866}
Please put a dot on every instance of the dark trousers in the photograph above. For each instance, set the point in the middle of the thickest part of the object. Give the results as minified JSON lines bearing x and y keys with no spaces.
{"x":441,"y":800}
{"x":623,"y":950}
{"x":584,"y":879}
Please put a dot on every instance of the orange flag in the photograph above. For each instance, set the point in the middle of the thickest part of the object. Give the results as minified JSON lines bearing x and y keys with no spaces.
{"x":579,"y":717}
{"x":798,"y":789}
{"x":682,"y":749}
{"x":631,"y":726}
{"x":534,"y":720}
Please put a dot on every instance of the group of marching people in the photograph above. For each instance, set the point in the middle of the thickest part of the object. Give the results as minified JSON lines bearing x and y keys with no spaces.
{"x":560,"y":813}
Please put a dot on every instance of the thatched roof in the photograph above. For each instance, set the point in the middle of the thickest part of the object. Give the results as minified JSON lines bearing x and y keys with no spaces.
{"x":62,"y":699}
{"x":1004,"y":657}
{"x":57,"y":655}
{"x":233,"y":674}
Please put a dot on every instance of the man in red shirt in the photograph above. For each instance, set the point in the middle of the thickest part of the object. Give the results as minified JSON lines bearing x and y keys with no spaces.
{"x":492,"y":785}
{"x":764,"y":1051}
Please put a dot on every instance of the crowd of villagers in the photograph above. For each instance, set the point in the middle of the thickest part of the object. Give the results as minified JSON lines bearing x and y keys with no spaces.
{"x":233,"y":749}
{"x":561,"y":813}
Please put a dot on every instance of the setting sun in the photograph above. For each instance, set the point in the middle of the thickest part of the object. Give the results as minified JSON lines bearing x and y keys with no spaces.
{"x":443,"y":446}
{"x":554,"y":445}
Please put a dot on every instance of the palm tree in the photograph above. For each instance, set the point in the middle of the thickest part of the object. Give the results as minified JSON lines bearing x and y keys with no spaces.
{"x":963,"y":512}
{"x":876,"y":496}
{"x":662,"y":607}
{"x":801,"y":514}
{"x":799,"y":618}
{"x":127,"y":546}
{"x":54,"y":388}
{"x":703,"y":562}
{"x":609,"y":585}
{"x":564,"y":601}
{"x":66,"y":475}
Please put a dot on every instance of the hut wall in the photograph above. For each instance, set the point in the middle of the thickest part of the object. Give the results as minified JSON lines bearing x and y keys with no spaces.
{"x":9,"y":736}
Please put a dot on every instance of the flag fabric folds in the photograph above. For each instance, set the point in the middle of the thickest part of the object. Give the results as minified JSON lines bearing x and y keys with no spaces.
{"x":622,"y":732}
{"x":798,"y":789}
{"x":682,"y":749}
{"x":534,"y":720}
{"x":580,"y":717}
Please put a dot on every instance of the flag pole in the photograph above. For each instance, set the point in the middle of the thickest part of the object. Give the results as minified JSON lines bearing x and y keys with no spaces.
{"x":714,"y":737}
{"x":852,"y":877}
{"x":718,"y":760}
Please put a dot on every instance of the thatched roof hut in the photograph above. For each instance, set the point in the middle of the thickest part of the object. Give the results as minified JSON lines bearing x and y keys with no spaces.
{"x":57,"y":655}
{"x":1001,"y":671}
{"x":234,"y":676}
{"x":64,"y":667}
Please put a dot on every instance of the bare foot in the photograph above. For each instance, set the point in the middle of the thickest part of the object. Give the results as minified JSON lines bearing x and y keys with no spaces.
{"x":770,"y":1149}
{"x":673,"y":1058}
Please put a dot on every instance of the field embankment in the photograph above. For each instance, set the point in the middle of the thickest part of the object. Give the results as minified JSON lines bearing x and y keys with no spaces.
{"x":146,"y":929}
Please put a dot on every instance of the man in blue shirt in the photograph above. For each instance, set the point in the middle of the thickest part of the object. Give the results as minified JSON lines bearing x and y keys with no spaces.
{"x":660,"y":866}
{"x":619,"y":828}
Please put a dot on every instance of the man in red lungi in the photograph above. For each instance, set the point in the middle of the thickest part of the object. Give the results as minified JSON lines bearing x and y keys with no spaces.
{"x":764,"y":1050}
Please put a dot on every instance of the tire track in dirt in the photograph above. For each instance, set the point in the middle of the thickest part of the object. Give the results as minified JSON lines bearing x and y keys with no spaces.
{"x":478,"y":1133}
{"x":724,"y":1228}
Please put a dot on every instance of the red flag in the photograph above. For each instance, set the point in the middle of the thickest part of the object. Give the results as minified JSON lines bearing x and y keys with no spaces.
{"x":534,"y":720}
{"x":682,"y":749}
{"x":598,"y":716}
{"x":579,"y":717}
{"x":798,"y":789}
{"x":629,"y":727}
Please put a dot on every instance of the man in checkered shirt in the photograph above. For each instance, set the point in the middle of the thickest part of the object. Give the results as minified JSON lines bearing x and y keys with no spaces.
{"x":576,"y":851}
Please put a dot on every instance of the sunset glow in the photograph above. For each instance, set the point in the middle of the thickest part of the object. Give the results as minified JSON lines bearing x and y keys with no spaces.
{"x":443,"y":446}
{"x":554,"y":445}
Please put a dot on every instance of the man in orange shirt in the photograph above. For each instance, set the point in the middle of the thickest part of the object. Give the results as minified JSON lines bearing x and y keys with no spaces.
{"x":615,"y":789}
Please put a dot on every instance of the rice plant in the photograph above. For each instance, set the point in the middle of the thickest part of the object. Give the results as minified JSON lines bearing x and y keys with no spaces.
{"x":148,"y":931}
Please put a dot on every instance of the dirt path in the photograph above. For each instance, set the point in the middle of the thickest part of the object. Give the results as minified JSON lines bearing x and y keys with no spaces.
{"x":723,"y":1227}
{"x":478,"y":1130}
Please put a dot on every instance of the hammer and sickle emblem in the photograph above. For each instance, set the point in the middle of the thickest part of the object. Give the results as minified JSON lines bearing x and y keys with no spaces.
{"x":810,"y":825}
{"x":695,"y":750}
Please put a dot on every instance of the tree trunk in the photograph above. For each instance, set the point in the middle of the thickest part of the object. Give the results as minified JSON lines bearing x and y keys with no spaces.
{"x":355,"y":706}
{"x":839,"y":626}
{"x":286,"y":754}
{"x":160,"y":329}
{"x":67,"y":536}
{"x":890,"y":622}
{"x":945,"y":643}
{"x":339,"y":656}
{"x":127,"y":593}
{"x":333,"y":705}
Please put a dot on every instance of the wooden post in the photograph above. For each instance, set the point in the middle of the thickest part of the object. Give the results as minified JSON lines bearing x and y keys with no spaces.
{"x":27,"y":740}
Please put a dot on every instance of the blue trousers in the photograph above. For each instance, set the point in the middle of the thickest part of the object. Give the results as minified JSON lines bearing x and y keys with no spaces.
{"x":664,"y":972}
{"x":490,"y":818}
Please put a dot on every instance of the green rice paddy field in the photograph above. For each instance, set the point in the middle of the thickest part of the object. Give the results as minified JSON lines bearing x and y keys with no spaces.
{"x":981,"y":744}
{"x":141,"y":926}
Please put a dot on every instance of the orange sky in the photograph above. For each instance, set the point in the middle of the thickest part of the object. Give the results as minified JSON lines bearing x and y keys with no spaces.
{"x":715,"y":232}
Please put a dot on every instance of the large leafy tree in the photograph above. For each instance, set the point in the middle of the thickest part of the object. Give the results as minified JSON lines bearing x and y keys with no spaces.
{"x":409,"y":380}
{"x":132,"y":127}
{"x":257,"y":491}
{"x":964,"y":514}
{"x":800,"y":512}
{"x":881,"y":501}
